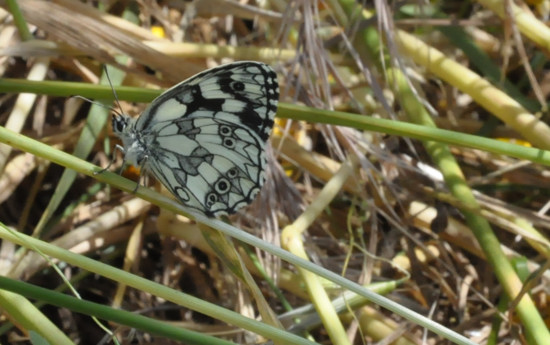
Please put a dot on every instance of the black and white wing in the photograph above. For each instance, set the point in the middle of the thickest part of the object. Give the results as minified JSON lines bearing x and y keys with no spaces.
{"x":204,"y":138}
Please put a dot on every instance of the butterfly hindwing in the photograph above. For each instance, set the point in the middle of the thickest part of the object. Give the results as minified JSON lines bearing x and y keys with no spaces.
{"x":225,"y":160}
{"x":204,"y":138}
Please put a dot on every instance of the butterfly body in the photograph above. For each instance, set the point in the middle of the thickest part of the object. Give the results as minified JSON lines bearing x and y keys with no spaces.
{"x":204,"y":138}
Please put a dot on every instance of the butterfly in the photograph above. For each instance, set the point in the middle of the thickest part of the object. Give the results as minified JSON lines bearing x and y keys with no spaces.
{"x":204,"y":138}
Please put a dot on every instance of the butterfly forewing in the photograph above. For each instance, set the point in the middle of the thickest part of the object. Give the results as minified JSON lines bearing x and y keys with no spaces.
{"x":204,"y":138}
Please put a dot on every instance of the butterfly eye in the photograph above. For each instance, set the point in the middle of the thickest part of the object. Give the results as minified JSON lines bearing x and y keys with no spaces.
{"x":222,"y":186}
{"x":119,"y":123}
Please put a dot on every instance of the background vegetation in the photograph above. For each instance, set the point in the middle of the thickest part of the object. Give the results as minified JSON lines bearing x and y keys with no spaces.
{"x":409,"y":158}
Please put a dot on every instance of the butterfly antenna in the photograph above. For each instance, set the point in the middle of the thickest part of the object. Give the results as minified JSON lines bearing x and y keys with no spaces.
{"x":94,"y":102}
{"x":114,"y":91}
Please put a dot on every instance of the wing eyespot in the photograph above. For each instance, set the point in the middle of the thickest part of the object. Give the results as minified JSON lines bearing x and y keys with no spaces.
{"x":229,"y":143}
{"x":237,"y":86}
{"x":232,"y":173}
{"x":222,"y":186}
{"x":225,"y":130}
{"x":211,"y":199}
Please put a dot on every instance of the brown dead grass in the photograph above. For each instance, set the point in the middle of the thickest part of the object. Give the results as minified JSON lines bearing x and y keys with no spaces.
{"x":401,"y":216}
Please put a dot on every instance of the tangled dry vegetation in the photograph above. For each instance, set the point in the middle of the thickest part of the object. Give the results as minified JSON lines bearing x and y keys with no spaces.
{"x":456,"y":233}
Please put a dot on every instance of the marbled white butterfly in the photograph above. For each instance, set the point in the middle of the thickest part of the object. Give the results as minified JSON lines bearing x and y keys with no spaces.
{"x":204,"y":138}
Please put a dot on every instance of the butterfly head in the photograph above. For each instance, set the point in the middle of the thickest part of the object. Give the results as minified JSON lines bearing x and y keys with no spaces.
{"x":135,"y":150}
{"x":120,"y":122}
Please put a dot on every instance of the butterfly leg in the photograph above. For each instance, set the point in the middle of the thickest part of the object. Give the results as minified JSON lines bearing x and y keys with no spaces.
{"x":119,"y":148}
{"x":141,"y":174}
